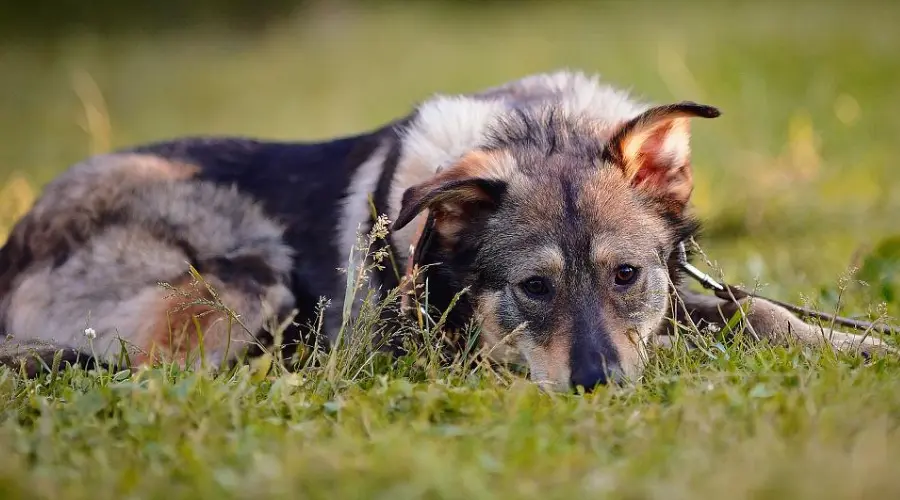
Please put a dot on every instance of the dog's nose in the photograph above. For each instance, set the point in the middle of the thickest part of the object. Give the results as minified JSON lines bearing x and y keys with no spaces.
{"x":589,"y":377}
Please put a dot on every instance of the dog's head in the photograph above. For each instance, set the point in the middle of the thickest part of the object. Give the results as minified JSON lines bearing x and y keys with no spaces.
{"x":563,"y":229}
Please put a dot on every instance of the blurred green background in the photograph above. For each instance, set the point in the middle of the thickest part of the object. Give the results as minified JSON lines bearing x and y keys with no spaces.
{"x":796,"y":181}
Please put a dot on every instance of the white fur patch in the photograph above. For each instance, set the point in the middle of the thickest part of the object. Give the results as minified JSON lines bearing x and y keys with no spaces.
{"x":355,"y":208}
{"x":445,"y":129}
{"x":574,"y":93}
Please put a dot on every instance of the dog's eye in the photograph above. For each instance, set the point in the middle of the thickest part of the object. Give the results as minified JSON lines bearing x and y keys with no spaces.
{"x":536,"y":287}
{"x":626,"y":274}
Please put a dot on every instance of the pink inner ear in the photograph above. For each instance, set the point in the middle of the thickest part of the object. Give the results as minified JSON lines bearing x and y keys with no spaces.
{"x":661,"y":165}
{"x":652,"y":162}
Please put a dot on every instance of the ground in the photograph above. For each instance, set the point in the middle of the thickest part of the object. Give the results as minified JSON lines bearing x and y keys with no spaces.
{"x":795,"y":182}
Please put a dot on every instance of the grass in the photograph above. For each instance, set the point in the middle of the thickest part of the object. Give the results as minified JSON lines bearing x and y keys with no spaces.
{"x":795,"y":182}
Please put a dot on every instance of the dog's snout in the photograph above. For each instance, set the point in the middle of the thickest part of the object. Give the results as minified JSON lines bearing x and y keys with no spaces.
{"x":588,"y":377}
{"x":593,"y":367}
{"x":593,"y":359}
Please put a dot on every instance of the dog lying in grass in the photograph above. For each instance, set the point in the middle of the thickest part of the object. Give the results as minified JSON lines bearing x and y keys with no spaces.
{"x":547,"y":211}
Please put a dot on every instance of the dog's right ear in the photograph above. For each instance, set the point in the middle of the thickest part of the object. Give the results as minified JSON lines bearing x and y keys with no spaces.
{"x":454,"y":195}
{"x":653,"y":150}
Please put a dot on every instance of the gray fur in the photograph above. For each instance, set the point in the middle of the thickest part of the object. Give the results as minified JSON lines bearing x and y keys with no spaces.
{"x":134,"y":230}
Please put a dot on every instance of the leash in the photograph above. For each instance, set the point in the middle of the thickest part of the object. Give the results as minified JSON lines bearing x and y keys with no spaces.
{"x":731,"y":292}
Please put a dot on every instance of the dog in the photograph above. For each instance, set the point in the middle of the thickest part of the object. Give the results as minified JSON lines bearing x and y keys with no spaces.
{"x":547,"y":210}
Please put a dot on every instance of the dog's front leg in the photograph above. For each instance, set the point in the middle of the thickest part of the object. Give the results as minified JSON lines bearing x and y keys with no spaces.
{"x":768,"y":321}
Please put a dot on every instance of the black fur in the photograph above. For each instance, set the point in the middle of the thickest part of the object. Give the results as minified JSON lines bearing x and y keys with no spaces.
{"x":300,"y":185}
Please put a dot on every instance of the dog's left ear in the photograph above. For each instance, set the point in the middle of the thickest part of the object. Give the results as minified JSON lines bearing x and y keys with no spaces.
{"x":454,"y":195}
{"x":654,"y":152}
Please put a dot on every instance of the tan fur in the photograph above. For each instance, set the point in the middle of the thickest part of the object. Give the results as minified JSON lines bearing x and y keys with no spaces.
{"x":551,"y":260}
{"x":448,"y":204}
{"x":494,"y":341}
{"x":631,"y":346}
{"x":549,"y":364}
{"x":173,"y":335}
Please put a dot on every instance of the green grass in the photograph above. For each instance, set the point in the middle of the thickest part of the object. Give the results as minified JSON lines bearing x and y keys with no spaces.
{"x":739,"y":423}
{"x":796,"y":183}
